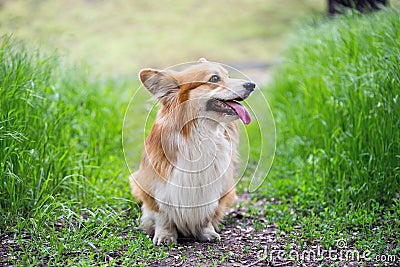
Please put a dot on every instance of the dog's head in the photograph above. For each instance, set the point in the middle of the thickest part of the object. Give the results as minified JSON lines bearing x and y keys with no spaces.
{"x":205,"y":90}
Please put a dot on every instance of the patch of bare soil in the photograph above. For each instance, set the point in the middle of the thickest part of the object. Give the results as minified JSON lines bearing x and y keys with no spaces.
{"x":240,"y":244}
{"x":258,"y":71}
{"x":8,"y":248}
{"x":247,"y":240}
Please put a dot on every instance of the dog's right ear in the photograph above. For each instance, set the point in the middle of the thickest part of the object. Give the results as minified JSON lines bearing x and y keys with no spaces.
{"x":159,"y":83}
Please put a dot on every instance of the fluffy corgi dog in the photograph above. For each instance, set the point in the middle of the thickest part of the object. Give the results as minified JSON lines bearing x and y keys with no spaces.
{"x":185,"y":178}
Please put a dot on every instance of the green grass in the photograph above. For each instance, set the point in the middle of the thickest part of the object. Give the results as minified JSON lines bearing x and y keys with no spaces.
{"x":64,"y":196}
{"x":336,"y":104}
{"x":57,"y":128}
{"x":340,"y":135}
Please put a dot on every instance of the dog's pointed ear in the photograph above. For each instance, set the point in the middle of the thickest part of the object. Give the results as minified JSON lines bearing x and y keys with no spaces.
{"x":160,"y":83}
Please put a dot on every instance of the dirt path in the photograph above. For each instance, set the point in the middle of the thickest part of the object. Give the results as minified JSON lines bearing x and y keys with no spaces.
{"x":240,"y":245}
{"x":257,"y":71}
{"x":248,"y":240}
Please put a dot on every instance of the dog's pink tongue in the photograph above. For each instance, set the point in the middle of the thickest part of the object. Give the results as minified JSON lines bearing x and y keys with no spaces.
{"x":243,"y":113}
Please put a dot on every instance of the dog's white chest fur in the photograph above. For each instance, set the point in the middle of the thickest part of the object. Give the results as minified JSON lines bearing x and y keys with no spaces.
{"x":196,"y":183}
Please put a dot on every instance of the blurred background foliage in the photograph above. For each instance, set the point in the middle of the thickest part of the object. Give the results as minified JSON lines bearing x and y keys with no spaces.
{"x":118,"y":37}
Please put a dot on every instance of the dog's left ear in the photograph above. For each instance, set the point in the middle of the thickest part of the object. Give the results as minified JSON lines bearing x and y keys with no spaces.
{"x":160,"y":83}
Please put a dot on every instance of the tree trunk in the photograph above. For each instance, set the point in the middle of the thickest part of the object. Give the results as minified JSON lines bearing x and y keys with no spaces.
{"x":336,"y":6}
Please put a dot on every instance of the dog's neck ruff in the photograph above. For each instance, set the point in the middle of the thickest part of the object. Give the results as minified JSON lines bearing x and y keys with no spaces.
{"x":198,"y":177}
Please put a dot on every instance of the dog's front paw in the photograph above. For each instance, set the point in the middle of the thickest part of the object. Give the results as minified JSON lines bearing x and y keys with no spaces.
{"x":209,"y":237}
{"x":164,"y":238}
{"x":208,"y":234}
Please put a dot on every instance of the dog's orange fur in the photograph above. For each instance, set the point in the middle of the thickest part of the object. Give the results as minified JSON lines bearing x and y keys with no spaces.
{"x":175,"y":125}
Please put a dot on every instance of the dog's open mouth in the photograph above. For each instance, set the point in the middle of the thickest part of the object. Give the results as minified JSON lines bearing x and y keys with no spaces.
{"x":230,"y":107}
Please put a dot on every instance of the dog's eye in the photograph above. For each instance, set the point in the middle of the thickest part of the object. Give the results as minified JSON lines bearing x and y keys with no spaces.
{"x":214,"y":79}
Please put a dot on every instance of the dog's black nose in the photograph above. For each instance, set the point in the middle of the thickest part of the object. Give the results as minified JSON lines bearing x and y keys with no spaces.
{"x":249,"y":86}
